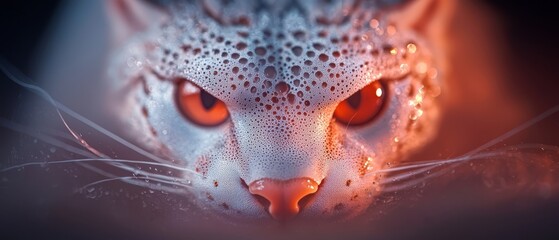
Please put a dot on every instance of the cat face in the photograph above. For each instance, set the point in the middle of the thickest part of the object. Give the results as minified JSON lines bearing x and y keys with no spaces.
{"x":281,"y":110}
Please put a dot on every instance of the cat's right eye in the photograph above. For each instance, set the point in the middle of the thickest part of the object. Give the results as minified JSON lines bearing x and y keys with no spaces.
{"x":363,"y":106}
{"x":200,"y":107}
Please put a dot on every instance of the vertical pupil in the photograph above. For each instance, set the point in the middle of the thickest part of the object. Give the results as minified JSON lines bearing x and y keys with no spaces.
{"x":354,"y":100}
{"x":208,"y":101}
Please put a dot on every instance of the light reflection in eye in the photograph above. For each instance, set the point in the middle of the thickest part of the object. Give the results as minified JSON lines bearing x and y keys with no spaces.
{"x":363,"y":106}
{"x":379,"y":92}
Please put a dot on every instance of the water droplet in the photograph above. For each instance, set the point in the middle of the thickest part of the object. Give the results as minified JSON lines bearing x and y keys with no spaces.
{"x":336,"y":54}
{"x":291,"y":98}
{"x":297,"y":51}
{"x":299,"y":35}
{"x":374,"y":23}
{"x":310,"y":54}
{"x":318,"y":46}
{"x":411,"y":48}
{"x":270,"y":72}
{"x":241,"y":45}
{"x":282,"y":87}
{"x":260,"y":51}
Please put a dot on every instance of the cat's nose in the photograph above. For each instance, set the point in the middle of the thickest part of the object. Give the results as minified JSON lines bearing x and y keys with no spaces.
{"x":283,"y":195}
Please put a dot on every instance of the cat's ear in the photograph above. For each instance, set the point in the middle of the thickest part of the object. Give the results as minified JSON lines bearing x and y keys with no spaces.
{"x":129,"y":16}
{"x":423,"y":15}
{"x":429,"y":18}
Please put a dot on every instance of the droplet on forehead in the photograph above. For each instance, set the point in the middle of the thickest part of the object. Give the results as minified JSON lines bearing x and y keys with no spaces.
{"x":282,"y":87}
{"x":296,"y":70}
{"x":297,"y":51}
{"x":270,"y":72}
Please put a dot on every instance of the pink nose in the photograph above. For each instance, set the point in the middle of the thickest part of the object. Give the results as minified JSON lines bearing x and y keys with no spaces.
{"x":283,"y":195}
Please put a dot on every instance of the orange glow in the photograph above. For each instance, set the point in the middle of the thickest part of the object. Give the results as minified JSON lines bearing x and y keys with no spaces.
{"x":412,"y":48}
{"x":362,"y":106}
{"x":199,"y":106}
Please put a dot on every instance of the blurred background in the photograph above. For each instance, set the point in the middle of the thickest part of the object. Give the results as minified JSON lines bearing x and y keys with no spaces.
{"x":530,"y":36}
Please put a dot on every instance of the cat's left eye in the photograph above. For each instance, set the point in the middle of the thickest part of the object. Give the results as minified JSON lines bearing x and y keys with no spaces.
{"x":363,"y":106}
{"x":199,"y":106}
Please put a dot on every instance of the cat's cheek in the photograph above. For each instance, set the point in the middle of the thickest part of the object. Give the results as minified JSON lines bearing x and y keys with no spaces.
{"x":222,"y":193}
{"x":410,"y":114}
{"x":344,"y":194}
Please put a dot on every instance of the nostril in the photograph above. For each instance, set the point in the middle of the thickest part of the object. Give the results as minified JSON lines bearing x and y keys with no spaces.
{"x":262,"y":200}
{"x":283,"y":195}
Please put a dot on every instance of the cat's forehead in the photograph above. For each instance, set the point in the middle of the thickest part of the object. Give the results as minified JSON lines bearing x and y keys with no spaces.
{"x":249,"y":50}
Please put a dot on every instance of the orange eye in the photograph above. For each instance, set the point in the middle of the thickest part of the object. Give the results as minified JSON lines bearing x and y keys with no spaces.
{"x":363,"y":106}
{"x":199,"y":106}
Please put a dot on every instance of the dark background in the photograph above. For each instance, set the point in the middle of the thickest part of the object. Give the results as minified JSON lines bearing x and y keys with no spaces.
{"x":23,"y":24}
{"x":531,"y":30}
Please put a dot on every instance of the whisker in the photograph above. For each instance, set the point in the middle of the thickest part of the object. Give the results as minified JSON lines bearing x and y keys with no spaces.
{"x":502,"y":137}
{"x":19,"y":128}
{"x":349,"y":122}
{"x":406,"y":175}
{"x":45,"y":95}
{"x":11,"y":72}
{"x":142,"y":183}
{"x":436,"y":163}
{"x":512,"y":153}
{"x":72,"y":149}
{"x":58,"y":134}
{"x":108,"y":159}
{"x":406,"y":185}
{"x":45,"y":138}
{"x":94,"y":160}
{"x":516,"y":130}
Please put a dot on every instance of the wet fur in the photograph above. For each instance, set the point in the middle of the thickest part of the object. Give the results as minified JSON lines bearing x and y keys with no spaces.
{"x":524,"y":156}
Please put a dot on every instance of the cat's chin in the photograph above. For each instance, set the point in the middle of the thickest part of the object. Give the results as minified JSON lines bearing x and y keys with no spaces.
{"x":263,"y":218}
